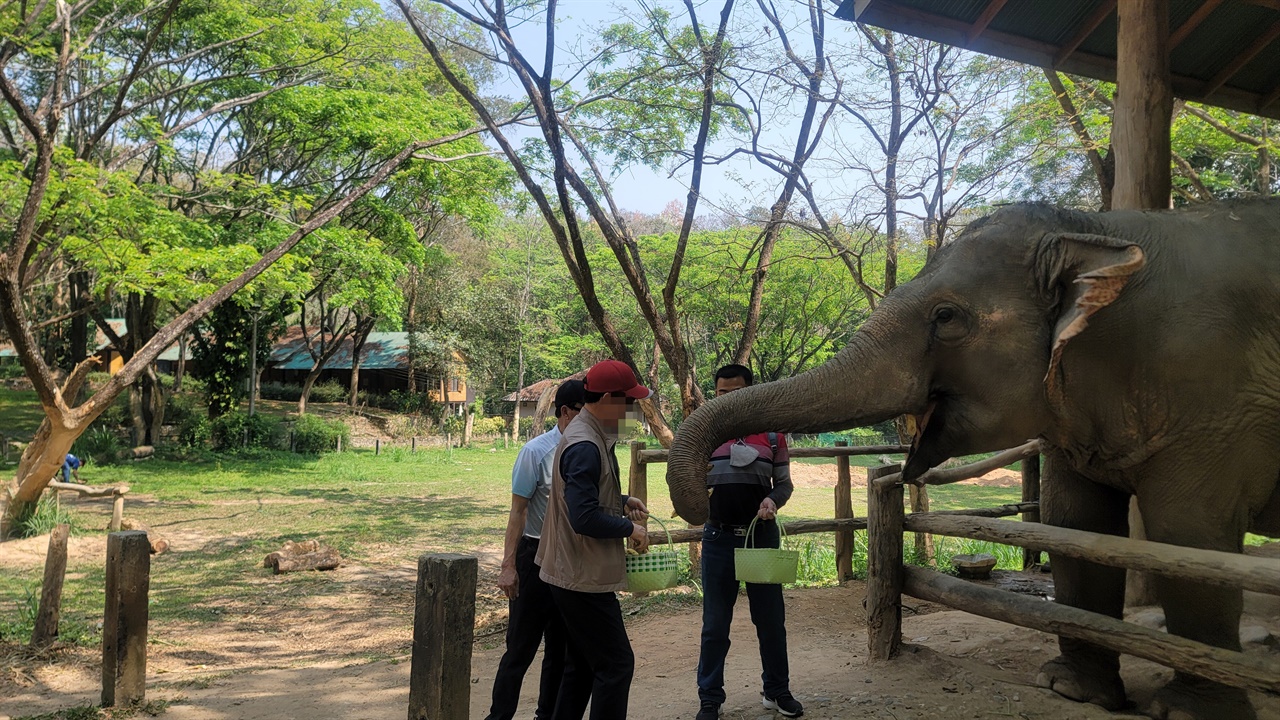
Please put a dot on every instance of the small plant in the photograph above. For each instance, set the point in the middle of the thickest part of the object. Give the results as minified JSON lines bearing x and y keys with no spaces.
{"x":329,"y":391}
{"x":99,"y":446}
{"x":11,"y":369}
{"x":196,"y":432}
{"x":817,"y":561}
{"x":236,"y":430}
{"x":16,"y":628}
{"x":47,"y":515}
{"x":315,"y":435}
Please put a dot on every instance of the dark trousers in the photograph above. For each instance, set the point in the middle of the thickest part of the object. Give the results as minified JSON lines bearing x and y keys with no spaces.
{"x":600,"y":661}
{"x":532,"y":616}
{"x":719,"y":593}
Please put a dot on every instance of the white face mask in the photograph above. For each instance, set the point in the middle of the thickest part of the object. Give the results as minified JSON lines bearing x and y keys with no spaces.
{"x":742,"y":454}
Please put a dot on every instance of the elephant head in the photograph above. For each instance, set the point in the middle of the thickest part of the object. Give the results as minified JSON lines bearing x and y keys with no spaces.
{"x":970,"y":347}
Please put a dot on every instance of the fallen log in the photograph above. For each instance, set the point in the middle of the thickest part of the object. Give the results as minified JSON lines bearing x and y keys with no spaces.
{"x":307,"y":555}
{"x":158,"y":543}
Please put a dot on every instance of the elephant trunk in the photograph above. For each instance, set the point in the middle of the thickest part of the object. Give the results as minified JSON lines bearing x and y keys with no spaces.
{"x":864,"y":383}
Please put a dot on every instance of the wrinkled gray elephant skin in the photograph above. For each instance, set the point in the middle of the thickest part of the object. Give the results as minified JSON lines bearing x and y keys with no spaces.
{"x":1142,"y":348}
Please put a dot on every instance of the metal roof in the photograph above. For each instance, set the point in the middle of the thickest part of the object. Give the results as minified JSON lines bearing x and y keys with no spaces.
{"x":1222,"y":52}
{"x":382,"y":351}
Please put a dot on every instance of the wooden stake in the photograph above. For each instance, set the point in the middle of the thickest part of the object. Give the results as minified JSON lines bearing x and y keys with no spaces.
{"x":884,"y":564}
{"x":55,"y":571}
{"x":1031,"y":493}
{"x":117,"y":512}
{"x":124,"y":624}
{"x":377,"y":446}
{"x":844,"y":510}
{"x":443,"y":630}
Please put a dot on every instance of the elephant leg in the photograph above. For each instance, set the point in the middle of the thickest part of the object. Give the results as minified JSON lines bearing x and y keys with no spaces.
{"x":1084,"y":671}
{"x":1210,"y":614}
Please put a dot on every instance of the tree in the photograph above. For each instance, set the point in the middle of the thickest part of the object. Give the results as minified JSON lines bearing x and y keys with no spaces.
{"x":67,"y":180}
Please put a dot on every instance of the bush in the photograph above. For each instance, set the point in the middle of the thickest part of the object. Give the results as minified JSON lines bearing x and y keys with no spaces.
{"x":11,"y":369}
{"x":196,"y":432}
{"x":329,"y":391}
{"x":280,"y":391}
{"x":100,"y":446}
{"x":180,"y":408}
{"x":47,"y":515}
{"x":526,"y":425}
{"x":235,"y":430}
{"x":316,"y":435}
{"x":489,"y":426}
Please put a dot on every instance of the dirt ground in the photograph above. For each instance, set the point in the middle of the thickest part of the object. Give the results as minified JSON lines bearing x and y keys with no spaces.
{"x":345,"y":655}
{"x":340,"y":650}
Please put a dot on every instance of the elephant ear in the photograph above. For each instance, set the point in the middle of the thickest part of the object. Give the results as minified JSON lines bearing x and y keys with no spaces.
{"x":1083,"y":273}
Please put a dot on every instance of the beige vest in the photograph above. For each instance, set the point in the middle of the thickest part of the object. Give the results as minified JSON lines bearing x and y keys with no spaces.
{"x":573,"y":561}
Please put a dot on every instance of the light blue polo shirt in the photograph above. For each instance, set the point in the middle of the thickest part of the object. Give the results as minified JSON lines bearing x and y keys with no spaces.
{"x":531,"y":478}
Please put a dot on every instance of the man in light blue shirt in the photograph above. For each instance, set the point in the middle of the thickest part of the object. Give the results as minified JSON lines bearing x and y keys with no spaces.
{"x":532,"y":613}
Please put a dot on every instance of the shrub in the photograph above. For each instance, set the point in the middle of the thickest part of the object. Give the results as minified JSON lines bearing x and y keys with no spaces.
{"x":489,"y":426}
{"x":236,"y":430}
{"x":280,"y":391}
{"x":195,"y":432}
{"x":118,"y":415}
{"x":329,"y":391}
{"x":180,"y":408}
{"x":316,"y":435}
{"x":11,"y":369}
{"x":100,"y":446}
{"x":47,"y":515}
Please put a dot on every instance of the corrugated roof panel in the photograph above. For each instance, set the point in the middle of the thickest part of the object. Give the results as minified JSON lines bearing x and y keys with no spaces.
{"x":963,"y":10}
{"x":1219,"y":39}
{"x":1259,"y":75}
{"x":1047,"y":21}
{"x":382,"y":351}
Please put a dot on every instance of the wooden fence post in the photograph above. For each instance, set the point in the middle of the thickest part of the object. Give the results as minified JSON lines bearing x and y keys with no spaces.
{"x":885,"y":517}
{"x":443,"y":630}
{"x":844,"y":509}
{"x":377,"y":446}
{"x":413,"y":444}
{"x":55,"y":571}
{"x":124,"y":624}
{"x":117,"y":511}
{"x":638,"y":477}
{"x":1031,"y":493}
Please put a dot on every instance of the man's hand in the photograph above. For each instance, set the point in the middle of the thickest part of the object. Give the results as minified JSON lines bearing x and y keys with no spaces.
{"x":768,"y":509}
{"x":639,"y":539}
{"x":636,"y":510}
{"x":509,"y":582}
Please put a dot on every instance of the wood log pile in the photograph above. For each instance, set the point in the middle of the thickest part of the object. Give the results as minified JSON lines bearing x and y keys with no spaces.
{"x":158,"y":544}
{"x":306,"y":555}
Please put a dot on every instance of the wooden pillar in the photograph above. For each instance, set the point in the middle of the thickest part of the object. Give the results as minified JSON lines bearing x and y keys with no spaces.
{"x":443,"y":630}
{"x":1144,"y":106}
{"x":638,"y":476}
{"x":844,"y":509}
{"x":55,"y":571}
{"x":884,"y":564}
{"x":918,"y":496}
{"x":1031,"y":493}
{"x":124,"y":623}
{"x":117,"y":511}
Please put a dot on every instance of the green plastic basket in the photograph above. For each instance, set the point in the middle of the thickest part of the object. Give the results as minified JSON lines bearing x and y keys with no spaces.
{"x":654,"y":570}
{"x":764,"y":566}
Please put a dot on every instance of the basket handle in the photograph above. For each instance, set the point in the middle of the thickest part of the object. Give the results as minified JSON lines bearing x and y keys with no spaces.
{"x":671,"y":544}
{"x":751,"y":532}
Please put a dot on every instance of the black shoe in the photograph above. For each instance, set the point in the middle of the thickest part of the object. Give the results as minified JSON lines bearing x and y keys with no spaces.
{"x":709,"y":711}
{"x":785,"y":704}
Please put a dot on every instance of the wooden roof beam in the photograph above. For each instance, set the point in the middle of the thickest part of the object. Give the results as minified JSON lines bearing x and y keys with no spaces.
{"x":1272,"y":96}
{"x":1102,"y":13}
{"x":1243,"y":59}
{"x":1193,"y":22}
{"x":988,"y":14}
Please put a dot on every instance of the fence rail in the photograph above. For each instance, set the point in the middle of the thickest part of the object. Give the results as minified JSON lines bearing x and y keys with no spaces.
{"x":888,"y":579}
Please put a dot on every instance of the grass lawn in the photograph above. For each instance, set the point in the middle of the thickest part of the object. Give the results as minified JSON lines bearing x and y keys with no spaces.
{"x":20,"y":413}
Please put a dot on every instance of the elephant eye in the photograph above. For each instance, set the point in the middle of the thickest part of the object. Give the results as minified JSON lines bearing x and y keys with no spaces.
{"x":949,"y":323}
{"x":945,"y":315}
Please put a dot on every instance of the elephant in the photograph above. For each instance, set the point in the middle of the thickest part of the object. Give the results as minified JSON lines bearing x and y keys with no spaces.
{"x":1142,"y":348}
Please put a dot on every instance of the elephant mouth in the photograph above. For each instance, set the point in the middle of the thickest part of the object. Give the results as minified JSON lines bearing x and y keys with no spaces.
{"x":926,"y":445}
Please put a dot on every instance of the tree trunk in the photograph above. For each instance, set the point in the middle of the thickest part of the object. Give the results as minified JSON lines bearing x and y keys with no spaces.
{"x":78,"y":348}
{"x":467,"y":424}
{"x":363,"y":328}
{"x":182,"y":363}
{"x":307,"y":385}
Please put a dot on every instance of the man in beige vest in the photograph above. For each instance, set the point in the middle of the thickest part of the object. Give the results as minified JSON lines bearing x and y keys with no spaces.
{"x":582,"y":554}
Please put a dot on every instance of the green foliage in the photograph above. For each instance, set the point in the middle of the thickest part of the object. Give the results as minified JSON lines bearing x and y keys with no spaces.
{"x":99,"y":446}
{"x":329,"y":391}
{"x":313,"y":435}
{"x":281,"y":391}
{"x":196,"y":432}
{"x":488,"y":426}
{"x":47,"y":515}
{"x":223,"y":350}
{"x":236,"y":430}
{"x":10,"y":368}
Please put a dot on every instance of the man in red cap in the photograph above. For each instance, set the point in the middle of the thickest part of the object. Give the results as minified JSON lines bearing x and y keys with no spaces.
{"x":581,"y":555}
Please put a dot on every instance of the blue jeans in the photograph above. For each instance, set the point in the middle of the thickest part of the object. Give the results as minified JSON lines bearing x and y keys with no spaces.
{"x":719,"y":593}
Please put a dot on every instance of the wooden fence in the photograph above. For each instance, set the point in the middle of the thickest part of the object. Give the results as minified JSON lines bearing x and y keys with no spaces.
{"x":888,"y":579}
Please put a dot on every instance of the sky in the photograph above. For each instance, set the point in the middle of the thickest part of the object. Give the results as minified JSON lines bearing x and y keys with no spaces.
{"x":730,"y":187}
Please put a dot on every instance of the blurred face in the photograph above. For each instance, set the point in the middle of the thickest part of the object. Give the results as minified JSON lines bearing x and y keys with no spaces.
{"x":611,"y":410}
{"x":728,"y":385}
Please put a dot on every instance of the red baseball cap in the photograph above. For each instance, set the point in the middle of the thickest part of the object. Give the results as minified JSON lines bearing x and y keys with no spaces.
{"x":614,"y":376}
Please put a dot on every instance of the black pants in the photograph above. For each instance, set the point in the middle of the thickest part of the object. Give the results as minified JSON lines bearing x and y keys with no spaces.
{"x":600,"y":661}
{"x":532,"y":616}
{"x":719,"y":594}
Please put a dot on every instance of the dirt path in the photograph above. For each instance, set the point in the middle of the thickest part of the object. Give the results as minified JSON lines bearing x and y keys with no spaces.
{"x":345,"y":656}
